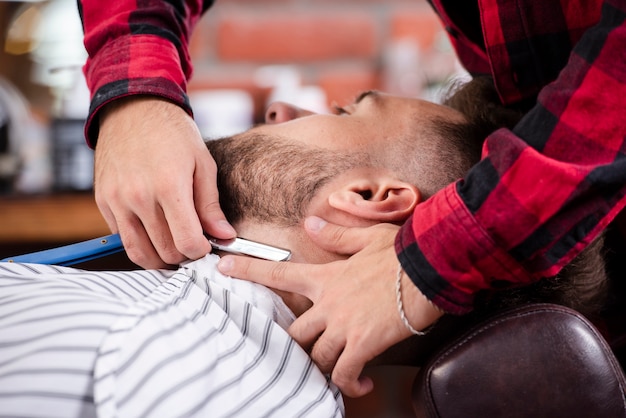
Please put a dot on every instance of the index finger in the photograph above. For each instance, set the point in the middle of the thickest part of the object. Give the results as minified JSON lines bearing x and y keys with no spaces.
{"x":207,"y":199}
{"x":185,"y":227}
{"x":285,"y":276}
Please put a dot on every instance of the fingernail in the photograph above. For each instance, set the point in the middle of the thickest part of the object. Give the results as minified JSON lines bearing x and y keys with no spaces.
{"x":226,"y":228}
{"x":225,"y":265}
{"x":314,"y":224}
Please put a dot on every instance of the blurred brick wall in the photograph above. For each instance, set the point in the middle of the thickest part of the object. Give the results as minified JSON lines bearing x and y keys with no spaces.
{"x":342,"y":46}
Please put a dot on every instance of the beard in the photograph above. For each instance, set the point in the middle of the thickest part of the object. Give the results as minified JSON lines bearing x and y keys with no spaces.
{"x":271,"y":179}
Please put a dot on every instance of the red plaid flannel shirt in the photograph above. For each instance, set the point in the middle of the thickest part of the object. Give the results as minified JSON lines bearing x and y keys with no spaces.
{"x":542,"y":191}
{"x":137,"y":47}
{"x":545,"y":189}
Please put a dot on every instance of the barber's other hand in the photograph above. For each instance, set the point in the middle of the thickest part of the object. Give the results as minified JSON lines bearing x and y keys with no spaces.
{"x":155,"y":182}
{"x":354,"y":316}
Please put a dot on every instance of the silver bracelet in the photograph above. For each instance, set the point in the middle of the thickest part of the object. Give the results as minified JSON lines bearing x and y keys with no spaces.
{"x":400,"y":308}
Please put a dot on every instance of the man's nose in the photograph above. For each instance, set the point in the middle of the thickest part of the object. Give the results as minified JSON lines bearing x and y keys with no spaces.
{"x":279,"y":112}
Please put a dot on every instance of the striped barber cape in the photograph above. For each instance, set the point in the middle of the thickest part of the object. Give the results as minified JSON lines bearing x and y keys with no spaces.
{"x":191,"y":342}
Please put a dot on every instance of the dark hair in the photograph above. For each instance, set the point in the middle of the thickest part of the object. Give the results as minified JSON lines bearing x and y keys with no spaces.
{"x":454,"y":147}
{"x":478,"y":100}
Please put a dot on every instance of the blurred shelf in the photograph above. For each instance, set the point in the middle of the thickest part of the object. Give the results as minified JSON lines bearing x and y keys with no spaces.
{"x":50,"y":219}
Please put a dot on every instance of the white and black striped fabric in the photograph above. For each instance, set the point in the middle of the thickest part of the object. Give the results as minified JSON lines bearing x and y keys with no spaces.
{"x":190,"y":343}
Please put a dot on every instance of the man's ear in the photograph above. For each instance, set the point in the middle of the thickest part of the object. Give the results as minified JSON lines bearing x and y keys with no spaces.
{"x":381,"y":199}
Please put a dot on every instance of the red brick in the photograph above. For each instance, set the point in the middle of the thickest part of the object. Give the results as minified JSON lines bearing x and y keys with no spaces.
{"x":202,"y":42}
{"x":296,"y":37}
{"x":341,"y":86}
{"x":420,"y":25}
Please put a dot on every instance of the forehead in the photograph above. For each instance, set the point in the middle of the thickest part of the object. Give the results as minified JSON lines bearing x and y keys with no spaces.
{"x":372,"y":124}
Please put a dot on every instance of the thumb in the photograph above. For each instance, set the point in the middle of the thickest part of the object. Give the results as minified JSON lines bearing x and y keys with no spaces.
{"x":335,"y":238}
{"x":207,"y":202}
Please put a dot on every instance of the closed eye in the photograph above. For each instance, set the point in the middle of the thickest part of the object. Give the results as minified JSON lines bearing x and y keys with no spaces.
{"x":338,"y":110}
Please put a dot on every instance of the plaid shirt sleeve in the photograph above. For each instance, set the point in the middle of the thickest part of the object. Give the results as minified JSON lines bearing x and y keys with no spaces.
{"x":543,"y":190}
{"x":137,"y":47}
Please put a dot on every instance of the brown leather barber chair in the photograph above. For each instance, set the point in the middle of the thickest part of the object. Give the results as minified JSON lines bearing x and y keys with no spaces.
{"x":538,"y":360}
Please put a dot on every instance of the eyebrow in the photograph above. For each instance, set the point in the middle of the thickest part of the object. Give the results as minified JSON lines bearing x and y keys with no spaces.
{"x":363,"y":95}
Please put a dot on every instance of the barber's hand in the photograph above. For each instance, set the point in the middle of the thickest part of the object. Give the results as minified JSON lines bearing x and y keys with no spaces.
{"x":155,"y":182}
{"x":354,"y":316}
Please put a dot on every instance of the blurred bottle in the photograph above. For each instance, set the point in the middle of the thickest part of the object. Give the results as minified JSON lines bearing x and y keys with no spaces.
{"x":222,"y":112}
{"x":8,"y":160}
{"x":403,"y":71}
{"x":24,"y":152}
{"x":58,"y":58}
{"x":71,"y":157}
{"x":286,"y":85}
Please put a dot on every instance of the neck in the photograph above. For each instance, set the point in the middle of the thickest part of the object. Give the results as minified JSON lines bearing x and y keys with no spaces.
{"x":295,"y":239}
{"x":302,"y":251}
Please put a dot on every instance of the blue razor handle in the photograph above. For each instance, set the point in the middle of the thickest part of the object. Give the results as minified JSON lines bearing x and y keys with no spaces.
{"x":81,"y":252}
{"x":74,"y":253}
